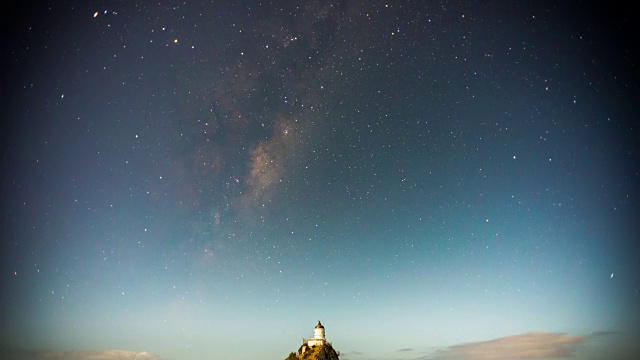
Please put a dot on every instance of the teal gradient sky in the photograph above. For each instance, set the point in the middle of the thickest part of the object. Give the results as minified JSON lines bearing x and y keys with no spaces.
{"x":206,"y":180}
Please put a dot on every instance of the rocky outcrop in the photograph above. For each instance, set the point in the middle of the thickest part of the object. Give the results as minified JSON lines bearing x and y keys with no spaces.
{"x":322,"y":352}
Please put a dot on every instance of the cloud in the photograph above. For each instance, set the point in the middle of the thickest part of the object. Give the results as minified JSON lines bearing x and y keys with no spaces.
{"x":405,"y":349}
{"x":598,"y":334}
{"x":356,"y":352}
{"x":536,"y":345}
{"x":19,"y":354}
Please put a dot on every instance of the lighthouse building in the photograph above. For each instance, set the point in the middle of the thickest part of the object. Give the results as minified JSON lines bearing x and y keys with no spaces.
{"x":318,"y":336}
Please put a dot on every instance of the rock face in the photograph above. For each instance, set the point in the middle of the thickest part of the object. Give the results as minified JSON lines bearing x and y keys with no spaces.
{"x":321,"y":352}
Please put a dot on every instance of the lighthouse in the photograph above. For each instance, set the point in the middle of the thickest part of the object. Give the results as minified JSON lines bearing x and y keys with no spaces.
{"x":318,"y":346}
{"x":318,"y":336}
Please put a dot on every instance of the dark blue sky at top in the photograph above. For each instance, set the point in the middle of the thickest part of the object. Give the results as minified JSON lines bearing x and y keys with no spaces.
{"x":174,"y":174}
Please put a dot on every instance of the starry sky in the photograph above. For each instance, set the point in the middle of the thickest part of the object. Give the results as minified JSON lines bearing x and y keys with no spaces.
{"x":431,"y":179}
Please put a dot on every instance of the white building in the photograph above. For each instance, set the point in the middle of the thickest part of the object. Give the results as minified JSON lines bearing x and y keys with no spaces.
{"x":318,"y":339}
{"x":318,"y":336}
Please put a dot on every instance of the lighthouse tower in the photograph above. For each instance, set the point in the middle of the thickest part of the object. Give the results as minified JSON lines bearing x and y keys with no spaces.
{"x":318,"y":336}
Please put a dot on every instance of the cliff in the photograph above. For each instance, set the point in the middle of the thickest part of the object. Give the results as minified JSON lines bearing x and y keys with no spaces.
{"x":323,"y":352}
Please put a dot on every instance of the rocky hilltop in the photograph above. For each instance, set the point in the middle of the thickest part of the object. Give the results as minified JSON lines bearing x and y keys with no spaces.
{"x":316,"y":352}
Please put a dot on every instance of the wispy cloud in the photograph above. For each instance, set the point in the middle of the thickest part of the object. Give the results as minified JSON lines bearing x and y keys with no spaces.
{"x":19,"y":354}
{"x":597,"y":334}
{"x":536,"y":345}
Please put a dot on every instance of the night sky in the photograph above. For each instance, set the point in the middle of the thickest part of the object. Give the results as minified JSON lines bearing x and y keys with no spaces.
{"x":431,"y":179}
